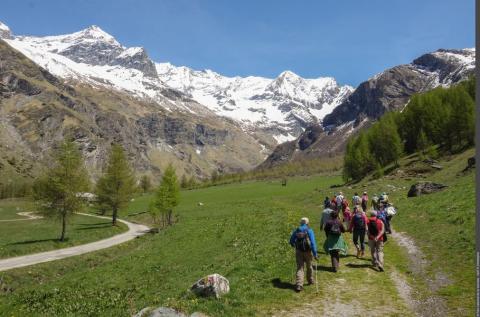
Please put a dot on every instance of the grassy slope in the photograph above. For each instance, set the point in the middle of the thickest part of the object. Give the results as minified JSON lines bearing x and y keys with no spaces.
{"x":241,"y":232}
{"x":24,"y":237}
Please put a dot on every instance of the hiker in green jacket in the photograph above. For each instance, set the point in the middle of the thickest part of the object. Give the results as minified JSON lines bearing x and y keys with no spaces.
{"x":335,"y":244}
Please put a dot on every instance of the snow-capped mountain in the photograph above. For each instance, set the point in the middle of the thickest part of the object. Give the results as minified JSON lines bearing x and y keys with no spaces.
{"x":284,"y":105}
{"x":387,"y":91}
{"x":278,"y":108}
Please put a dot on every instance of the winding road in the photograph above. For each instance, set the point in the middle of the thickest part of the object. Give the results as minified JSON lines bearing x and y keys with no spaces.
{"x":134,"y":230}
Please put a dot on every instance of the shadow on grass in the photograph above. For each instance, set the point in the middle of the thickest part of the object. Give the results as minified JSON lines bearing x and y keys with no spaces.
{"x":38,"y":241}
{"x":108,"y":225}
{"x":277,"y":283}
{"x":358,"y":266}
{"x":322,"y":268}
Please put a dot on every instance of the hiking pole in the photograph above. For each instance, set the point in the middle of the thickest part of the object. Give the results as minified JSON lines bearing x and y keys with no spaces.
{"x":316,"y":272}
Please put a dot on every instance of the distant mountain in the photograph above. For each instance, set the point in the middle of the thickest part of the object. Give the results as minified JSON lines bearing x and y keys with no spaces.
{"x":38,"y":110}
{"x":387,"y":91}
{"x":282,"y":107}
{"x":272,"y":110}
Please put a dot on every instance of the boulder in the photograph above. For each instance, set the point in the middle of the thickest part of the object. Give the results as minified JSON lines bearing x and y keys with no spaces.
{"x":211,"y":285}
{"x":159,"y":312}
{"x":165,"y":312}
{"x":422,"y":188}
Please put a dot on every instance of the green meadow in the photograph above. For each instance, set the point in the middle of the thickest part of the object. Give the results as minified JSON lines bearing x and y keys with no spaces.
{"x":241,"y":231}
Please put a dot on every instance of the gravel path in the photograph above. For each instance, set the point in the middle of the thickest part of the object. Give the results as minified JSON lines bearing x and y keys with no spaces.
{"x":134,"y":230}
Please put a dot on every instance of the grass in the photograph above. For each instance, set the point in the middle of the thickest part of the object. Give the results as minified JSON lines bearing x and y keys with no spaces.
{"x":241,"y":232}
{"x":31,"y":236}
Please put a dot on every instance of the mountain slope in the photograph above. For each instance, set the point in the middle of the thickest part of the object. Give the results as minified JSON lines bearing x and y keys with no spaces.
{"x":273,"y":110}
{"x":38,"y":110}
{"x":387,"y":91}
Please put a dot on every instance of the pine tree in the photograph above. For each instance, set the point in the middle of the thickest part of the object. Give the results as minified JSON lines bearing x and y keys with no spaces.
{"x":184,"y":181}
{"x":145,"y":184}
{"x":115,"y":188}
{"x":422,"y":142}
{"x":166,"y":198}
{"x":58,"y":192}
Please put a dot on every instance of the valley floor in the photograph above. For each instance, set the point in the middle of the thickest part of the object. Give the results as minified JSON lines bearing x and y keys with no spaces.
{"x":241,"y":231}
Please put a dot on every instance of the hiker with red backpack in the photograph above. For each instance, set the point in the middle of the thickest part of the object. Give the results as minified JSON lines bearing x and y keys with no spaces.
{"x":376,"y":230}
{"x":359,"y":227}
{"x":303,"y":239}
{"x":335,"y":244}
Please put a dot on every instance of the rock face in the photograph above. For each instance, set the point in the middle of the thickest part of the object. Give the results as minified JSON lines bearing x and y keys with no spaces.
{"x":424,"y":188}
{"x":39,"y":110}
{"x":391,"y":89}
{"x":387,"y":91}
{"x":211,"y":285}
{"x":272,"y":110}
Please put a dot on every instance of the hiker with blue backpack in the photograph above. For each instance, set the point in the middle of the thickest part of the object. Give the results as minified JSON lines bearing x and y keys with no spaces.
{"x":335,"y":244}
{"x":358,"y":226}
{"x":303,"y":239}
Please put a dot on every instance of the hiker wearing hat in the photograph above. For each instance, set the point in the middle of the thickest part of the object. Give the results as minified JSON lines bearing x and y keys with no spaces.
{"x":359,"y":227}
{"x":356,"y":200}
{"x":335,"y":244}
{"x":376,"y":229}
{"x":364,"y":201}
{"x":303,"y":239}
{"x":383,"y":198}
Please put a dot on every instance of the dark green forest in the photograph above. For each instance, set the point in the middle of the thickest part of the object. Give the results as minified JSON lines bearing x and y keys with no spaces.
{"x":439,"y":121}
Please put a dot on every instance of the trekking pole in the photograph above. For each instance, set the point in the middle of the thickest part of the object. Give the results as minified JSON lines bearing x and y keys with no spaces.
{"x":316,"y":272}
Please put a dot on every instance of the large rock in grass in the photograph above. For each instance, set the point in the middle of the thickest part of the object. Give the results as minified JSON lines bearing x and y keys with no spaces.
{"x":165,"y":312}
{"x":424,"y":188}
{"x":211,"y":285}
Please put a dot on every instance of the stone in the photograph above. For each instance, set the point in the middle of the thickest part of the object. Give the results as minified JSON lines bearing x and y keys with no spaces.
{"x":422,"y":188}
{"x":437,"y":166}
{"x":159,"y":312}
{"x":211,"y":285}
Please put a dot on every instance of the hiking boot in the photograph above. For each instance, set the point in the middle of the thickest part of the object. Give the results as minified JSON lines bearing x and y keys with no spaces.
{"x":358,"y":253}
{"x":380,"y":268}
{"x":298,"y":288}
{"x":311,"y":283}
{"x":362,"y":254}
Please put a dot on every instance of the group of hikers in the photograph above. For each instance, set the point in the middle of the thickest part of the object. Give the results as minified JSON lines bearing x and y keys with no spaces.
{"x":336,"y":219}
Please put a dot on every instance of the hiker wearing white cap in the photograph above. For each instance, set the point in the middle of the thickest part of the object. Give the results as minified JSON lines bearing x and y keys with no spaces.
{"x":303,"y":239}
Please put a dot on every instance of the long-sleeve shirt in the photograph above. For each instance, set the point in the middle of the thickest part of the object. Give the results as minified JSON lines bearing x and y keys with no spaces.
{"x":325,"y":217}
{"x":311,"y":237}
{"x":352,"y":223}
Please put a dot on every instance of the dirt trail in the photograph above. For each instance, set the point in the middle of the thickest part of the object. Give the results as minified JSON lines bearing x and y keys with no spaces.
{"x":330,"y":301}
{"x":29,"y":214}
{"x":432,"y":305}
{"x":134,"y":230}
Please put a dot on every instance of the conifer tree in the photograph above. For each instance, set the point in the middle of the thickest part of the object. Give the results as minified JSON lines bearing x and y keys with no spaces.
{"x":115,"y":188}
{"x":166,"y":198}
{"x":58,"y":191}
{"x":145,"y":183}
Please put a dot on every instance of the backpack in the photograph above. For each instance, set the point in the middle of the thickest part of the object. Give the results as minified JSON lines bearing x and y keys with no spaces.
{"x":356,"y":200}
{"x":335,"y":228}
{"x":359,"y":221}
{"x":373,"y":228}
{"x":302,"y":242}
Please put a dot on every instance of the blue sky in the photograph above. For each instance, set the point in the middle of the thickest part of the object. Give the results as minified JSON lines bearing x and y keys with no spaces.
{"x":350,"y":40}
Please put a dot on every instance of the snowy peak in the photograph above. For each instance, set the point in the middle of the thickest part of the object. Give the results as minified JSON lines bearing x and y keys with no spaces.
{"x":136,"y":58}
{"x":5,"y":32}
{"x":95,"y":33}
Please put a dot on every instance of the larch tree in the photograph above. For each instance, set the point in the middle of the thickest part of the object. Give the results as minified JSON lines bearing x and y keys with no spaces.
{"x":115,"y":188}
{"x":166,"y":198}
{"x":58,"y":192}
